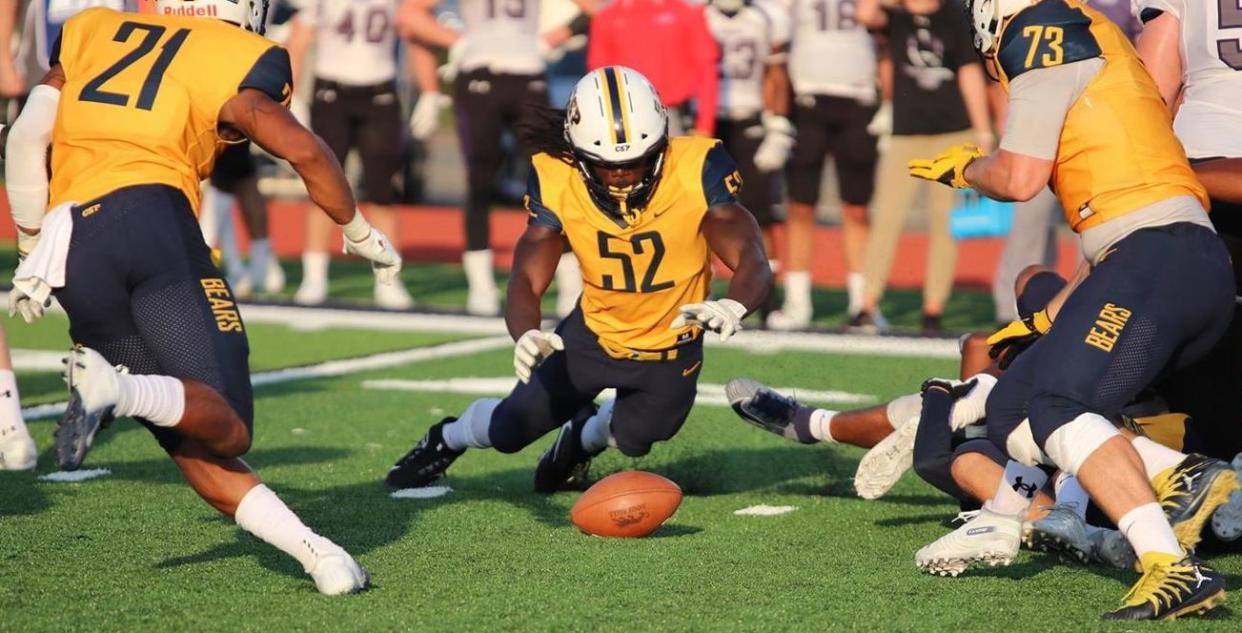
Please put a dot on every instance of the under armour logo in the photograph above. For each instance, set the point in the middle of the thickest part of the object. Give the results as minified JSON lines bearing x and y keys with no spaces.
{"x":8,"y":393}
{"x":1189,"y":480}
{"x":1026,"y":489}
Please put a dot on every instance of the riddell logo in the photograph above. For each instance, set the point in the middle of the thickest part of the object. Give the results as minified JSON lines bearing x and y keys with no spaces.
{"x":189,"y":9}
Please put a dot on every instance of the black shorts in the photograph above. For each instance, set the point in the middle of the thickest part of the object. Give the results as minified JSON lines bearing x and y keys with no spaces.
{"x":233,"y":165}
{"x":653,"y":397}
{"x":486,"y":104}
{"x":1227,"y":218}
{"x":741,"y":139}
{"x":837,"y":126}
{"x":140,"y":288}
{"x":366,"y":118}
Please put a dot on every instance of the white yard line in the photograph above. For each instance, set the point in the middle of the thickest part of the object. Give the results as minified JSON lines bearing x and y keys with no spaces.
{"x":709,"y":394}
{"x":36,"y":360}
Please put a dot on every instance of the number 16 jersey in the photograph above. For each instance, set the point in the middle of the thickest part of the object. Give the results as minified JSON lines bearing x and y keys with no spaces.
{"x":142,"y":99}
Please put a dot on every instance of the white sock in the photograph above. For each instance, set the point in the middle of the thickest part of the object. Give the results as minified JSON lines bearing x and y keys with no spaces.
{"x":478,"y":265}
{"x":10,"y":406}
{"x":1071,"y":494}
{"x":315,"y":266}
{"x":904,"y":408}
{"x":797,"y":291}
{"x":157,"y":399}
{"x":597,"y":433}
{"x":1148,"y":530}
{"x":470,"y":429}
{"x":821,"y":425}
{"x":854,"y":285}
{"x":264,"y":515}
{"x":1016,"y":489}
{"x":1156,"y":457}
{"x":260,"y":258}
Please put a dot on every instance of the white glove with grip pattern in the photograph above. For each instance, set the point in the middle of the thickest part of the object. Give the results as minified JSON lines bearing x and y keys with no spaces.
{"x":723,"y":317}
{"x":777,"y":143}
{"x":29,"y":298}
{"x":369,"y":243}
{"x":425,"y":118}
{"x":532,"y":348}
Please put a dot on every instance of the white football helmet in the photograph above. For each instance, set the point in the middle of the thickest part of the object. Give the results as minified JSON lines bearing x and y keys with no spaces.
{"x":986,"y":19}
{"x":248,"y":14}
{"x":615,"y":119}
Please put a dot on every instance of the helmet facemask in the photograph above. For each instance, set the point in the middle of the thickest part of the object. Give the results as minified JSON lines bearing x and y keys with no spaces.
{"x":622,"y":203}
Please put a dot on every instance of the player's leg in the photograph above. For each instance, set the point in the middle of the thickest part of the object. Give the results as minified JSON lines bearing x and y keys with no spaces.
{"x":894,"y":192}
{"x":329,"y":120}
{"x":17,"y":448}
{"x":379,"y":125}
{"x":654,"y":399}
{"x":479,"y":128}
{"x":806,"y":164}
{"x":941,"y":251}
{"x":855,"y":155}
{"x":1032,"y":240}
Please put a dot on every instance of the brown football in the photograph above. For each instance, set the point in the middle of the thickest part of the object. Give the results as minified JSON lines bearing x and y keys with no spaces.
{"x":628,"y":504}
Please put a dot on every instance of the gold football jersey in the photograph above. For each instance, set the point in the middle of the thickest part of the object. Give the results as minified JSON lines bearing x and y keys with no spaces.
{"x":142,"y":96}
{"x":636,"y":276}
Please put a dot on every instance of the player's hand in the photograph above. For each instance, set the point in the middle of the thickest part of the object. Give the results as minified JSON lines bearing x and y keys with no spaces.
{"x":532,"y":349}
{"x":375,"y":247}
{"x":723,"y":317}
{"x":31,"y":302}
{"x":778,"y":142}
{"x":1013,"y":339}
{"x":452,"y":63}
{"x":970,"y":397}
{"x":949,"y":167}
{"x":881,"y":125}
{"x":426,"y":116}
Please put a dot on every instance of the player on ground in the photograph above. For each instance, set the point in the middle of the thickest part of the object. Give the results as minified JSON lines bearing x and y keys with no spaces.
{"x":752,"y":110}
{"x":833,"y":103}
{"x":355,"y":106}
{"x":1076,"y":90}
{"x":146,"y":103}
{"x":644,"y":214}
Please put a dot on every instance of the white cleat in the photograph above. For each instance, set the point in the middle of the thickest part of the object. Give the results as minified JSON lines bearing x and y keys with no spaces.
{"x":337,"y":573}
{"x":17,"y":449}
{"x":274,"y":280}
{"x":882,"y":467}
{"x":311,"y":292}
{"x":787,"y":319}
{"x":94,"y":390}
{"x":242,"y":288}
{"x":483,"y":302}
{"x":987,"y":538}
{"x":1227,"y":519}
{"x":393,"y":296}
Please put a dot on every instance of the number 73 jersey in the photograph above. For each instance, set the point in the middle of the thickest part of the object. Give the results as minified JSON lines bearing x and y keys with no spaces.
{"x":636,"y":276}
{"x":142,"y":97}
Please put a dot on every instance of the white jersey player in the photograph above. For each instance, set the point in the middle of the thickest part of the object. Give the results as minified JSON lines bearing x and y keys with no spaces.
{"x":832,"y":66}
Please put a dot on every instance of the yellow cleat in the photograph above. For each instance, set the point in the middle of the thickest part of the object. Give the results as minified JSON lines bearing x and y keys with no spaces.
{"x":1191,"y":491}
{"x":1167,"y":591}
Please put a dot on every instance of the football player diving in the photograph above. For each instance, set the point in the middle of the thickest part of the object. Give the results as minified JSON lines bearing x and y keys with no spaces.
{"x":136,"y":109}
{"x":1087,"y":119}
{"x":644,"y":214}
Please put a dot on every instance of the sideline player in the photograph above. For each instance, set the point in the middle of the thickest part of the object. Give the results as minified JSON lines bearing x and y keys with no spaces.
{"x":1077,"y":91}
{"x":146,"y":102}
{"x":644,"y":214}
{"x":355,"y":106}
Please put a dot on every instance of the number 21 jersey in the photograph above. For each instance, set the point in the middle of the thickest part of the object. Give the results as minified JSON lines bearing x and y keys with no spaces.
{"x":142,"y":97}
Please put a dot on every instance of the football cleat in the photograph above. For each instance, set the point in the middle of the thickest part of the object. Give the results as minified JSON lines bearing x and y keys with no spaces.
{"x":884,"y":464}
{"x":1167,"y":591}
{"x":788,"y":320}
{"x":17,"y":448}
{"x":763,"y":407}
{"x":393,"y":296}
{"x":93,"y":392}
{"x":1062,"y":532}
{"x":985,"y":538}
{"x":336,"y":573}
{"x":1227,"y":520}
{"x":1191,"y":492}
{"x":311,"y":292}
{"x":1111,"y":548}
{"x":427,"y":461}
{"x":565,"y":462}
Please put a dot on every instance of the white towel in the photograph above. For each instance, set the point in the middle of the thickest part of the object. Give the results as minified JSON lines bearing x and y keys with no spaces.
{"x":44,"y":268}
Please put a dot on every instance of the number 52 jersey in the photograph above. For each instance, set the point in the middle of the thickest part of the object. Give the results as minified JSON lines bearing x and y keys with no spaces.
{"x":142,"y":97}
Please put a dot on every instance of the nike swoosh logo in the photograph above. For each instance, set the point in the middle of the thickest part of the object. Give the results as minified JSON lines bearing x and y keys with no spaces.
{"x":692,"y":368}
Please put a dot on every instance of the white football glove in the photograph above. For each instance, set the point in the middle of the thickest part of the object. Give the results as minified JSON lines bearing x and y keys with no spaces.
{"x":452,"y":64}
{"x":723,"y":317}
{"x":426,"y":115}
{"x":777,"y":143}
{"x":971,"y":407}
{"x":532,"y":349}
{"x":881,"y":125}
{"x":369,"y":243}
{"x":29,"y":298}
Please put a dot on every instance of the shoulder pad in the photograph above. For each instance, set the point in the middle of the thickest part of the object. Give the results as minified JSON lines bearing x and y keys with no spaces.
{"x":1049,"y":33}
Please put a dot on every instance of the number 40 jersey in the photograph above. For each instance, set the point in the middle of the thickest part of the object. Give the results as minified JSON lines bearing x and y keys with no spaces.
{"x":142,"y":96}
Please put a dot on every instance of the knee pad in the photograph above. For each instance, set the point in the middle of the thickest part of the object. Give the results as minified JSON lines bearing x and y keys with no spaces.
{"x":1021,"y":447}
{"x":1073,"y":442}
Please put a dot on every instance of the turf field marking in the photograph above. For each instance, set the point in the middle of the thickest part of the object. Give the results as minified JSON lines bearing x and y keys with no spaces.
{"x":37,"y":360}
{"x":764,"y":510}
{"x":709,"y":393}
{"x":426,"y":492}
{"x":64,"y":476}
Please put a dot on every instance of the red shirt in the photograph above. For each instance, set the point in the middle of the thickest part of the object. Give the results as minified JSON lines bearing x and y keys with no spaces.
{"x":669,"y":42}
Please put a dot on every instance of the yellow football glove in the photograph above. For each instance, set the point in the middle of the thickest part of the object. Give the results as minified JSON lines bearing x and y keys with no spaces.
{"x":949,"y":167}
{"x":1013,"y":339}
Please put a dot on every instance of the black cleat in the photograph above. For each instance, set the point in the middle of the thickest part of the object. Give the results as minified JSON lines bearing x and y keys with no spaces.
{"x":763,"y":407}
{"x":426,"y":462}
{"x":1169,"y":591}
{"x":1192,"y":491}
{"x":566,"y":462}
{"x":76,"y":431}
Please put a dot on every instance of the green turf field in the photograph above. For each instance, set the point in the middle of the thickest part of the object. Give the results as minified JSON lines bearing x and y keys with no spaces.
{"x":136,"y":550}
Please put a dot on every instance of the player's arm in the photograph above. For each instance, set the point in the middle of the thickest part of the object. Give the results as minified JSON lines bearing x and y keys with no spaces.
{"x":1160,"y":47}
{"x":870,"y":14}
{"x":535,"y":257}
{"x":416,"y":21}
{"x":12,"y":83}
{"x":973,"y":88}
{"x":1222,"y":177}
{"x":26,"y":148}
{"x":735,"y":238}
{"x":580,"y":24}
